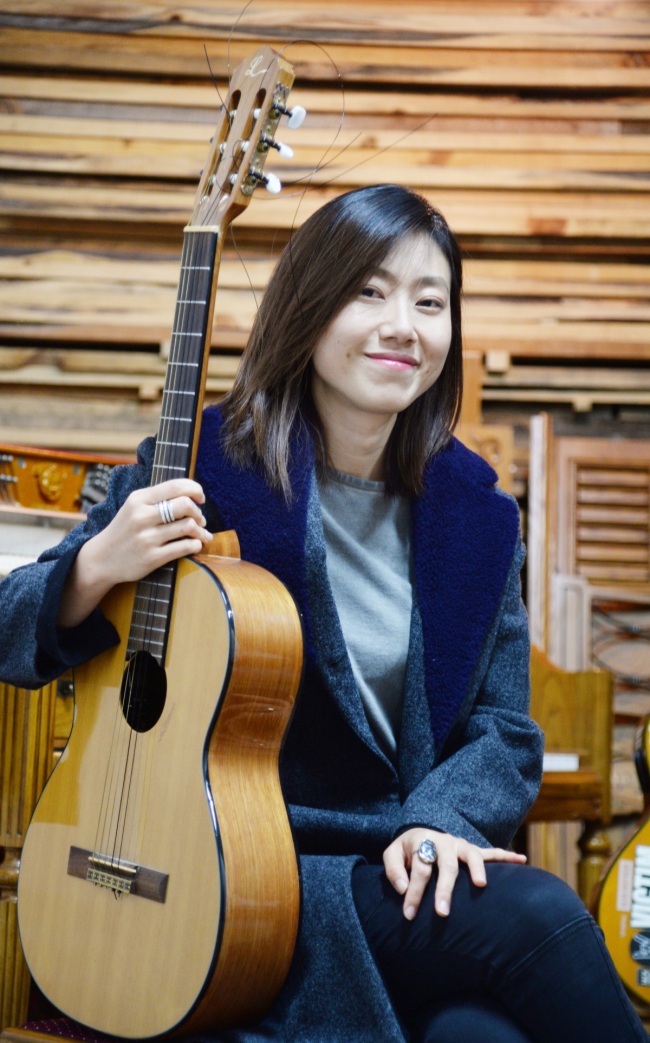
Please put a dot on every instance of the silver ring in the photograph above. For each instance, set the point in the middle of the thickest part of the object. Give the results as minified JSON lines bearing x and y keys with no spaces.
{"x":166,"y":511}
{"x":428,"y":852}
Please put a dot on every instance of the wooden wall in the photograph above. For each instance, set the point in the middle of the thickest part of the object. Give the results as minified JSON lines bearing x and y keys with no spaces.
{"x":527,"y":122}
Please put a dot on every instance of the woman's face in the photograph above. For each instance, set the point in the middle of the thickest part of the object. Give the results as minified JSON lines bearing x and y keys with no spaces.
{"x":388,"y":345}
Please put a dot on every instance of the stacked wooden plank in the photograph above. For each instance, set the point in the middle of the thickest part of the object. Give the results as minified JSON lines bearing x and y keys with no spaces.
{"x":526,"y":124}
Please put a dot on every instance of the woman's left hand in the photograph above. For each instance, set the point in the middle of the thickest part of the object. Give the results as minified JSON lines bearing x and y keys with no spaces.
{"x":410,"y":876}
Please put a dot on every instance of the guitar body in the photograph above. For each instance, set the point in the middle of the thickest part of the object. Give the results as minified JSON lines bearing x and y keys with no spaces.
{"x":622,"y":903}
{"x":192,"y":917}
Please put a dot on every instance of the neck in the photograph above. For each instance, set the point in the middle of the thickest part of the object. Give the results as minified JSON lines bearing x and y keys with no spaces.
{"x":359,"y":448}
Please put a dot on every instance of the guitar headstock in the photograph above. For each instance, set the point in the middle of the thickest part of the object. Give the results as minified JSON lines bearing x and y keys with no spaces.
{"x":257,"y":98}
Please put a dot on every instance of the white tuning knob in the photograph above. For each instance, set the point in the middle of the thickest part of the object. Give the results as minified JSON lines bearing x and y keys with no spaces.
{"x":272,"y":184}
{"x":284,"y":150}
{"x":296,"y":117}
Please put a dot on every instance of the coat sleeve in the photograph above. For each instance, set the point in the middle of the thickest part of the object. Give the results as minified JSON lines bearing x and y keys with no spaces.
{"x":33,"y":651}
{"x":488,"y":774}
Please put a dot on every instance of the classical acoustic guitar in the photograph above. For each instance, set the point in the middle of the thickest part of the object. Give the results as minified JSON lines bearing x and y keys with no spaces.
{"x":159,"y":889}
{"x":622,"y":903}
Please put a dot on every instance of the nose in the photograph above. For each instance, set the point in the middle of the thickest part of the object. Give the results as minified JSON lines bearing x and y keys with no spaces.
{"x":397,"y":322}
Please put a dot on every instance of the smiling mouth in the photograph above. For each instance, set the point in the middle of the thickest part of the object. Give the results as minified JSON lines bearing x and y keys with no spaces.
{"x":393,"y":361}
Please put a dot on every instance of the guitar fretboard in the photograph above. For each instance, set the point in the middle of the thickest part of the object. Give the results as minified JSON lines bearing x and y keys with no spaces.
{"x":181,"y":402}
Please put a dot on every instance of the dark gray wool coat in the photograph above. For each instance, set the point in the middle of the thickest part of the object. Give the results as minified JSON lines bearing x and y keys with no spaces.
{"x":469,"y":760}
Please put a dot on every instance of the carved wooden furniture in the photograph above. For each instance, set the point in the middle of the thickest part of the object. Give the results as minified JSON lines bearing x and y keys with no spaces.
{"x":574,"y":709}
{"x":53,"y":480}
{"x":589,"y":517}
{"x":588,"y":539}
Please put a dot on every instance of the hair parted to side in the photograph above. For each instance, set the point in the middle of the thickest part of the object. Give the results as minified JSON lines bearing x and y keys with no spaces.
{"x":324,"y":266}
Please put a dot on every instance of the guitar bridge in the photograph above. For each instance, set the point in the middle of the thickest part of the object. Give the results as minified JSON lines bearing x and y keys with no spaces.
{"x":117,"y":875}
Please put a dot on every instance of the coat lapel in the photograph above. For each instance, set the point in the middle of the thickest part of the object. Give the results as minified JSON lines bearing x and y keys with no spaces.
{"x":464,"y":537}
{"x":289,"y":542}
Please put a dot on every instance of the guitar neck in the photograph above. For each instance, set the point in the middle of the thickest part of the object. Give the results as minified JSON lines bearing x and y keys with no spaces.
{"x":178,"y":432}
{"x":182,"y":400}
{"x":248,"y":120}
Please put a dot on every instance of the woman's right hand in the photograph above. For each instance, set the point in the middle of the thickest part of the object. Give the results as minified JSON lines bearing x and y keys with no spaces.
{"x":134,"y":543}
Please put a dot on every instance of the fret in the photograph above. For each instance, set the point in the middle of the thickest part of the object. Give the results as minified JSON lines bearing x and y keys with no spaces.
{"x":190,"y":340}
{"x":141,"y":636}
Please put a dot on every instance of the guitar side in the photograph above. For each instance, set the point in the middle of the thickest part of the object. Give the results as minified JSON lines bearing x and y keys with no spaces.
{"x":164,"y":955}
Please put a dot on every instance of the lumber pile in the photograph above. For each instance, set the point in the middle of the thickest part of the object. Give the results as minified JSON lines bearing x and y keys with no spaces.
{"x":526,"y":124}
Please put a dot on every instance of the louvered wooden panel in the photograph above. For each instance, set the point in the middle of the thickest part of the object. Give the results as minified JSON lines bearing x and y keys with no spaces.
{"x":603,"y":497}
{"x":26,"y":744}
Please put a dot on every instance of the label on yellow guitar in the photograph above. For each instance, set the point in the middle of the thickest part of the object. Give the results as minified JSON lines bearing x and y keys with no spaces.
{"x":624,"y":915}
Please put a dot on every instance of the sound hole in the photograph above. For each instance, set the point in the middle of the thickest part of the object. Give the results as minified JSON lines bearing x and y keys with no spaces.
{"x":144,"y":689}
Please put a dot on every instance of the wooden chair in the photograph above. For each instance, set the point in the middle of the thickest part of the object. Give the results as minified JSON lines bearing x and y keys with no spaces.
{"x":575,"y":711}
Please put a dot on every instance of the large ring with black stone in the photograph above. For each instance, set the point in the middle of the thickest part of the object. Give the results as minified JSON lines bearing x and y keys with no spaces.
{"x":428,"y":852}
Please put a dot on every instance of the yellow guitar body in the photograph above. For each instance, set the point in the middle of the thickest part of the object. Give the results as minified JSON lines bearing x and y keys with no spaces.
{"x":622,"y":906}
{"x":158,"y":887}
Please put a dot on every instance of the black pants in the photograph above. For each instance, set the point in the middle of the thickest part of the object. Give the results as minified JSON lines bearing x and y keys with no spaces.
{"x":519,"y":961}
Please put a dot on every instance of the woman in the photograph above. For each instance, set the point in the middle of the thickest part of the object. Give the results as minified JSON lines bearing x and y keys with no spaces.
{"x":411,"y":759}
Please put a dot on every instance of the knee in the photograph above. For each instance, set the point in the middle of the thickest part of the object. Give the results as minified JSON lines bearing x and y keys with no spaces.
{"x":543,"y":904}
{"x":467,"y":1018}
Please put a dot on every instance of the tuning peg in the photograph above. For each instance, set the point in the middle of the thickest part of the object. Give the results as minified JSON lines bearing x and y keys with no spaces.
{"x":296,"y":117}
{"x":284,"y":150}
{"x":272,"y":184}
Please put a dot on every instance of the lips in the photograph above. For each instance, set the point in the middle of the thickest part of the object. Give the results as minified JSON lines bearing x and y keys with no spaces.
{"x":391,"y":358}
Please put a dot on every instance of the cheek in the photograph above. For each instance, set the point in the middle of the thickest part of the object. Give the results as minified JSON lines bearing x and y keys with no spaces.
{"x":438,"y":349}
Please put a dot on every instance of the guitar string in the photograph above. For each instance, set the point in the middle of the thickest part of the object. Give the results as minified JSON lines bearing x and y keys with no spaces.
{"x":120,"y":818}
{"x":170,"y":434}
{"x":174,"y":430}
{"x":122,"y":750}
{"x":152,"y":607}
{"x":180,"y":379}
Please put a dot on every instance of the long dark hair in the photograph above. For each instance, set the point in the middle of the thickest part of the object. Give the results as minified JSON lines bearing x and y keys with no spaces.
{"x":324,"y":266}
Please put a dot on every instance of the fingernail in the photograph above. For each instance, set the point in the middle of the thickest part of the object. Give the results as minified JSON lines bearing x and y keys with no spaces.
{"x":409,"y":912}
{"x":401,"y":884}
{"x":443,"y":907}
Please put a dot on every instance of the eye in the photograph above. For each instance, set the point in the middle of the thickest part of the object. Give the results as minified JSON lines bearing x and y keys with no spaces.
{"x":371,"y":292}
{"x":431,"y":303}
